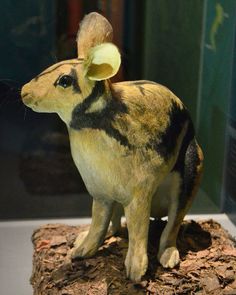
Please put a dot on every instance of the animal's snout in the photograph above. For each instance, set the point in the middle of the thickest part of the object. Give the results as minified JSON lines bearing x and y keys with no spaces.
{"x":26,"y":94}
{"x":25,"y":90}
{"x":27,"y":99}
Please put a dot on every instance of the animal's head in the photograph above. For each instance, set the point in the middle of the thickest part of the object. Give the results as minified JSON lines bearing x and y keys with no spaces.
{"x":66,"y":84}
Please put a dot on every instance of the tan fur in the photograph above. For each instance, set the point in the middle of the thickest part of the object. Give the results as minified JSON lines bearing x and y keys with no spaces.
{"x":41,"y":95}
{"x":94,"y":30}
{"x":149,"y":108}
{"x":97,"y":156}
{"x":121,"y":160}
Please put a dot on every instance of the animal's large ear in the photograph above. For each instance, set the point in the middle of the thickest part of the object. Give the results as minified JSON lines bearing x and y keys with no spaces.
{"x":94,"y":30}
{"x":103,"y":62}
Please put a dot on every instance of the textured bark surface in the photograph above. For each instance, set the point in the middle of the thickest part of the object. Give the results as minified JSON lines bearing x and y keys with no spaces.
{"x":208,"y":263}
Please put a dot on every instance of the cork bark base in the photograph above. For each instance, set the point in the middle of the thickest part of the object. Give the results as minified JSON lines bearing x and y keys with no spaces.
{"x":208,"y":263}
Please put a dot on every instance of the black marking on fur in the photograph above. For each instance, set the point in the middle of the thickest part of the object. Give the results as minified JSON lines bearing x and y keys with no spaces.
{"x":76,"y":87}
{"x":74,"y":77}
{"x":167,"y":141}
{"x":141,"y":89}
{"x":101,"y":120}
{"x":56,"y":67}
{"x":189,"y":136}
{"x":187,"y":166}
{"x":96,"y":93}
{"x":140,"y":85}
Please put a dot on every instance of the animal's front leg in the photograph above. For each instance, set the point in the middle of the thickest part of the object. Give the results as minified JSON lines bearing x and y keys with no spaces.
{"x":88,"y":245}
{"x":137,"y":214}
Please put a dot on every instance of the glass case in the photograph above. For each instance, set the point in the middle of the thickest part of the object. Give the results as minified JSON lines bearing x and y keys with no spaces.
{"x":188,"y":47}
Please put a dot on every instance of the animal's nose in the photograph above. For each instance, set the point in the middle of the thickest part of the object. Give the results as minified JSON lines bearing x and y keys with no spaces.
{"x":25,"y":91}
{"x":26,"y":94}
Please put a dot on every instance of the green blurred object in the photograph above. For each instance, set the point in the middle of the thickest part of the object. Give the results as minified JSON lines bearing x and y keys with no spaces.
{"x":172,"y":46}
{"x":189,"y":48}
{"x":215,"y":90}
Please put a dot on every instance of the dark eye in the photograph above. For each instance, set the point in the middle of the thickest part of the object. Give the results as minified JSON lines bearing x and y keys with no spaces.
{"x":65,"y":81}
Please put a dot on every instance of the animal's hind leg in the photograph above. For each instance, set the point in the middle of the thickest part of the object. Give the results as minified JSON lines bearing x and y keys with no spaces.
{"x":115,"y":227}
{"x":118,"y":211}
{"x":187,"y":173}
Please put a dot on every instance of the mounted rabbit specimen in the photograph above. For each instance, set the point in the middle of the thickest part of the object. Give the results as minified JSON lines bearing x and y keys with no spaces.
{"x":132,"y":142}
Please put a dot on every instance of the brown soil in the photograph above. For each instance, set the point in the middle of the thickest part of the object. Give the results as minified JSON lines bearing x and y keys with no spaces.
{"x":208,"y":263}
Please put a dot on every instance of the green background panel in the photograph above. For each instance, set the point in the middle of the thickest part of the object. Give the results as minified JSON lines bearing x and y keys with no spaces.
{"x":172,"y":46}
{"x":215,"y":90}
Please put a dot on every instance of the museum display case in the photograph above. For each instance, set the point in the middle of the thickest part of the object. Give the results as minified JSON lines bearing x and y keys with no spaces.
{"x":188,"y":46}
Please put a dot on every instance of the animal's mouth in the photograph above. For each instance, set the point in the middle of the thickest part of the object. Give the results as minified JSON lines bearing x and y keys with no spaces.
{"x":31,"y":102}
{"x":27,"y":99}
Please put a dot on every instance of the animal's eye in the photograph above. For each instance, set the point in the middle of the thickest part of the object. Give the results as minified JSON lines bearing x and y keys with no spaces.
{"x":65,"y":81}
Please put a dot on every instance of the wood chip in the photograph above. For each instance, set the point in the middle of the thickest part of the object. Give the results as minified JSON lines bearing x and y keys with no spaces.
{"x":210,"y":283}
{"x":207,"y":266}
{"x":58,"y":240}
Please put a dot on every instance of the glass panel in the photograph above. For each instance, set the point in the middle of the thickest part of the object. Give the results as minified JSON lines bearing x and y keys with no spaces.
{"x":188,"y":46}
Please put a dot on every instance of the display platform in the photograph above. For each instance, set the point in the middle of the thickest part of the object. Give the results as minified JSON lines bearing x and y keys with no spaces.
{"x":16,"y":249}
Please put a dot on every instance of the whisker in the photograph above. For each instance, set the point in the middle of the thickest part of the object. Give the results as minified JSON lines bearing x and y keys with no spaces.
{"x":9,"y":83}
{"x":9,"y":97}
{"x":4,"y":98}
{"x":14,"y":101}
{"x":25,"y":111}
{"x":10,"y":80}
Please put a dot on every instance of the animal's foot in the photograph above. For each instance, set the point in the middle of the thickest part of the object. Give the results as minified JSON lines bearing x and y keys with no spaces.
{"x":169,"y":258}
{"x":83,"y":247}
{"x":136,"y":265}
{"x":85,"y":250}
{"x":80,"y":238}
{"x":113,"y":231}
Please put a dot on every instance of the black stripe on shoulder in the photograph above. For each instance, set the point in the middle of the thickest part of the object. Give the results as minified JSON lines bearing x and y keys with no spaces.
{"x":166,"y":142}
{"x":97,"y":91}
{"x":101,"y":120}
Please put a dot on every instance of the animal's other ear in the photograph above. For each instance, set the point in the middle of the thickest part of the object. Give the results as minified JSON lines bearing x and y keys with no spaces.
{"x":94,"y":30}
{"x":103,"y":62}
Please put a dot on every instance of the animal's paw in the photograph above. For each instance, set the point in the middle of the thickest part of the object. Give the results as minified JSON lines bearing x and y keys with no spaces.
{"x":85,"y":250}
{"x":169,"y":257}
{"x":113,"y":231}
{"x":80,"y":238}
{"x":83,"y":247}
{"x":136,"y":265}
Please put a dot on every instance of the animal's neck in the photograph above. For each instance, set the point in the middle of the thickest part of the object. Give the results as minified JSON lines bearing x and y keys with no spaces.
{"x":85,"y":114}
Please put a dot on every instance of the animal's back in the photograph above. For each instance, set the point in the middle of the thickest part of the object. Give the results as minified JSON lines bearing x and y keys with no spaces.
{"x":155,"y":117}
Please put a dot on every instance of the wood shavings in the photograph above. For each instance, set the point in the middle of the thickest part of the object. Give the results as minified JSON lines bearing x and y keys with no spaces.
{"x":208,"y":263}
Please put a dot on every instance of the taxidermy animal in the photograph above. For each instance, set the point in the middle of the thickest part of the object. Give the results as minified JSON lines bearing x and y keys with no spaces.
{"x":132,"y":142}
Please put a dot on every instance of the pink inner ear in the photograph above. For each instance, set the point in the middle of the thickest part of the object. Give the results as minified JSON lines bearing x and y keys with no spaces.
{"x":94,"y":30}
